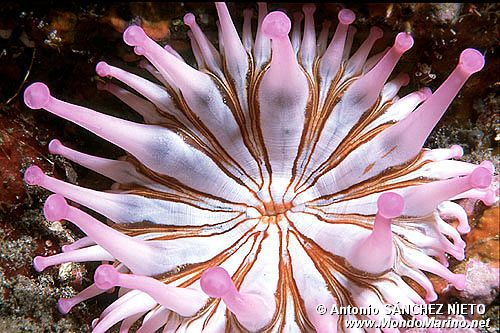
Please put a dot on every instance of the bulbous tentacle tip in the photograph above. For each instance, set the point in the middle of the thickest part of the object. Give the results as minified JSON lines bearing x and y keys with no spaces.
{"x":37,"y":95}
{"x":39,"y":264}
{"x":404,"y":79}
{"x":403,"y":42}
{"x":106,"y":277}
{"x":431,"y":297}
{"x":134,"y":36}
{"x":460,"y":256}
{"x":463,"y":229}
{"x":376,"y":32}
{"x":471,"y":61}
{"x":459,"y":281}
{"x":189,"y":19}
{"x":33,"y":175}
{"x":425,"y":93}
{"x":55,"y":146}
{"x":309,"y":8}
{"x":103,"y":69}
{"x":55,"y":208}
{"x":216,"y":282}
{"x":488,"y":165}
{"x":489,"y":198}
{"x":457,"y":151}
{"x":248,"y":12}
{"x":66,"y":248}
{"x":64,"y":305}
{"x":390,"y":205}
{"x":102,"y":85}
{"x":346,"y":16}
{"x":139,"y":50}
{"x":276,"y":25}
{"x":480,"y":178}
{"x":298,"y":16}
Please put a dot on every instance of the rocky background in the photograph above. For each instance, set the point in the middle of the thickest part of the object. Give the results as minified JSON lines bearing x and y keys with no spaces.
{"x":60,"y":45}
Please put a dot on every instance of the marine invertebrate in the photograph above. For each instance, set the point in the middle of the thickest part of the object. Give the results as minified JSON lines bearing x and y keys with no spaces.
{"x":281,"y":174}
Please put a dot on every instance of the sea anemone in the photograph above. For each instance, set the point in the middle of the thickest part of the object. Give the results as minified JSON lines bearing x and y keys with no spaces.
{"x":282,"y":174}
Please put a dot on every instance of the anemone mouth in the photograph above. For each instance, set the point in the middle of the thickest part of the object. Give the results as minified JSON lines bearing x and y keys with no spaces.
{"x":274,"y":209}
{"x":284,"y":172}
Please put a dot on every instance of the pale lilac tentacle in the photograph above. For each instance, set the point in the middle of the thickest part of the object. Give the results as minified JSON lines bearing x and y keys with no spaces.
{"x":348,"y":42}
{"x":139,"y":304}
{"x":262,"y":48}
{"x":154,"y":320}
{"x":451,"y":209}
{"x":296,"y":39}
{"x":184,"y":301}
{"x":251,"y":310}
{"x":323,"y":38}
{"x":64,"y":305}
{"x":210,"y":55}
{"x":378,"y":244}
{"x":282,"y":107}
{"x":247,"y":38}
{"x":78,"y":244}
{"x":358,"y":59}
{"x":120,"y":246}
{"x":196,"y":52}
{"x":308,"y":46}
{"x":92,"y":253}
{"x":332,"y":58}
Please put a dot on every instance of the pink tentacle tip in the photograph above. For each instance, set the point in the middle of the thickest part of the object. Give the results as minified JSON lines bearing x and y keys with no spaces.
{"x":471,"y":61}
{"x":168,"y":48}
{"x":390,"y":205}
{"x":139,"y":50}
{"x":189,"y":19}
{"x":102,"y":85}
{"x":298,"y":17}
{"x":106,"y":277}
{"x":103,"y":69}
{"x":134,"y":36}
{"x":376,"y":32}
{"x":64,"y":305}
{"x":309,"y":8}
{"x":66,"y":248}
{"x":425,"y":93}
{"x":431,"y":296}
{"x":216,"y":282}
{"x":276,"y":25}
{"x":403,"y":42}
{"x":405,"y":79}
{"x":37,"y":96}
{"x":346,"y":16}
{"x":55,"y":208}
{"x":39,"y":264}
{"x":459,"y":281}
{"x":248,"y":13}
{"x":55,"y":146}
{"x":489,"y":197}
{"x":480,"y":178}
{"x":33,"y":175}
{"x":457,"y":151}
{"x":488,"y":165}
{"x":463,"y":229}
